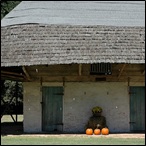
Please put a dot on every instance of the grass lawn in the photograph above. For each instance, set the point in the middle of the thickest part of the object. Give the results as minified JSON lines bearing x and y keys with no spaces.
{"x":7,"y":118}
{"x":69,"y":140}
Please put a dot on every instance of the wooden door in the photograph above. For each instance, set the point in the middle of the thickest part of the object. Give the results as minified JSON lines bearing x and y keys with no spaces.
{"x":52,"y":108}
{"x":137,"y":109}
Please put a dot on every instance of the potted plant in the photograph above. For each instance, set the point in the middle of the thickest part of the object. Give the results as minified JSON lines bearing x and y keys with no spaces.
{"x":97,"y":111}
{"x":96,"y":121}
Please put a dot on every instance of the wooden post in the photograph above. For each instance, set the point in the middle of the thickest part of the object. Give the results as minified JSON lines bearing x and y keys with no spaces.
{"x":128,"y":85}
{"x":63,"y":81}
{"x":26,"y":73}
{"x":41,"y":80}
{"x":121,"y":70}
{"x":16,"y":86}
{"x":80,"y":69}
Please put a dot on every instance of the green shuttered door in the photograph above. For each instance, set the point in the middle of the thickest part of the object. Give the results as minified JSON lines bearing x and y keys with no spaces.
{"x":52,"y":108}
{"x":137,"y":109}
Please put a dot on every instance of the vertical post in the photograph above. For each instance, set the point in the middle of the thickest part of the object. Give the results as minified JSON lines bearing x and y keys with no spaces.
{"x":80,"y":69}
{"x":41,"y":80}
{"x":16,"y":86}
{"x":128,"y":84}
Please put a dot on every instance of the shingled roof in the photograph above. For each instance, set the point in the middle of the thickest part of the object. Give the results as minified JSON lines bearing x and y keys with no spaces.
{"x":57,"y":38}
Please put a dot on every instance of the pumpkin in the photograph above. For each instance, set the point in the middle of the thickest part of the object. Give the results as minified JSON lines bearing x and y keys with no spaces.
{"x":97,"y":131}
{"x":89,"y":131}
{"x":105,"y":131}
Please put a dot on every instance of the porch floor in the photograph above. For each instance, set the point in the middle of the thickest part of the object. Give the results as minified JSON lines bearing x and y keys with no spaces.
{"x":14,"y":129}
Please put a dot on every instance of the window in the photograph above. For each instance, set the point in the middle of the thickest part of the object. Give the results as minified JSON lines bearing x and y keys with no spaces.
{"x":101,"y":69}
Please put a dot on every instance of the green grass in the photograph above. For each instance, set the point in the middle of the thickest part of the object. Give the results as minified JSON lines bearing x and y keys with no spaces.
{"x":69,"y":140}
{"x":7,"y":118}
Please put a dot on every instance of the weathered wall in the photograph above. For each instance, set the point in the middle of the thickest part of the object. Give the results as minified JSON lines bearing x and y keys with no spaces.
{"x":32,"y":107}
{"x":78,"y":100}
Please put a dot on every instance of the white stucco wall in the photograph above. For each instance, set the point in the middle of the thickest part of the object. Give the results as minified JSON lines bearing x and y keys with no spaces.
{"x":78,"y":100}
{"x":81,"y":97}
{"x":32,"y":107}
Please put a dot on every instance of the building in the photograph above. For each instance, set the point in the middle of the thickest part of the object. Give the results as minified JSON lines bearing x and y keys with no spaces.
{"x":74,"y":55}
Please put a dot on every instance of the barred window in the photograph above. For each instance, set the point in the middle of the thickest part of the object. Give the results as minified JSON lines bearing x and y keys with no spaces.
{"x":101,"y":69}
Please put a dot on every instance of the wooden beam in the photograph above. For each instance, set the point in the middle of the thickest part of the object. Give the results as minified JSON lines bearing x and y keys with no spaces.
{"x":11,"y":73}
{"x":143,"y":73}
{"x":87,"y":78}
{"x":121,"y":70}
{"x":4,"y":76}
{"x":12,"y":76}
{"x":80,"y":69}
{"x":26,"y":73}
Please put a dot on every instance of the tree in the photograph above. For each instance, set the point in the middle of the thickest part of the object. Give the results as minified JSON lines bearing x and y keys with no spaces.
{"x":7,"y":6}
{"x":11,"y":97}
{"x":10,"y":89}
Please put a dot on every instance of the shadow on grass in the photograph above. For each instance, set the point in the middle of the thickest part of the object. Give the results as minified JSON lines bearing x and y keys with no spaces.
{"x":14,"y":128}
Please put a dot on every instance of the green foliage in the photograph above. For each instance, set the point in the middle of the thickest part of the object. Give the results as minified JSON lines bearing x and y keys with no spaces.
{"x":10,"y":89}
{"x":96,"y":109}
{"x":7,"y":6}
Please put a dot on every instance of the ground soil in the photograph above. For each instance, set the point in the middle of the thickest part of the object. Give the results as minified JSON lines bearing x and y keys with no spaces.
{"x":14,"y":129}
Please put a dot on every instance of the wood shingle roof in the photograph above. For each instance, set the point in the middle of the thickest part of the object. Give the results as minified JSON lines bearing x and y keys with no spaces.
{"x":38,"y":44}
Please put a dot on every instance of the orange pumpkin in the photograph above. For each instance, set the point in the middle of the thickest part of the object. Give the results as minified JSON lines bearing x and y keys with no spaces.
{"x":89,"y":131}
{"x":105,"y":131}
{"x":97,"y":131}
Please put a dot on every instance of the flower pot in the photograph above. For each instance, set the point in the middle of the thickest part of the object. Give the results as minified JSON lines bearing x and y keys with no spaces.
{"x":97,"y":114}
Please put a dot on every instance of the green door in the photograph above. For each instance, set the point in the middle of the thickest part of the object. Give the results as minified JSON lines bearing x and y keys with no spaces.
{"x":137,"y":109}
{"x":52,"y":104}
